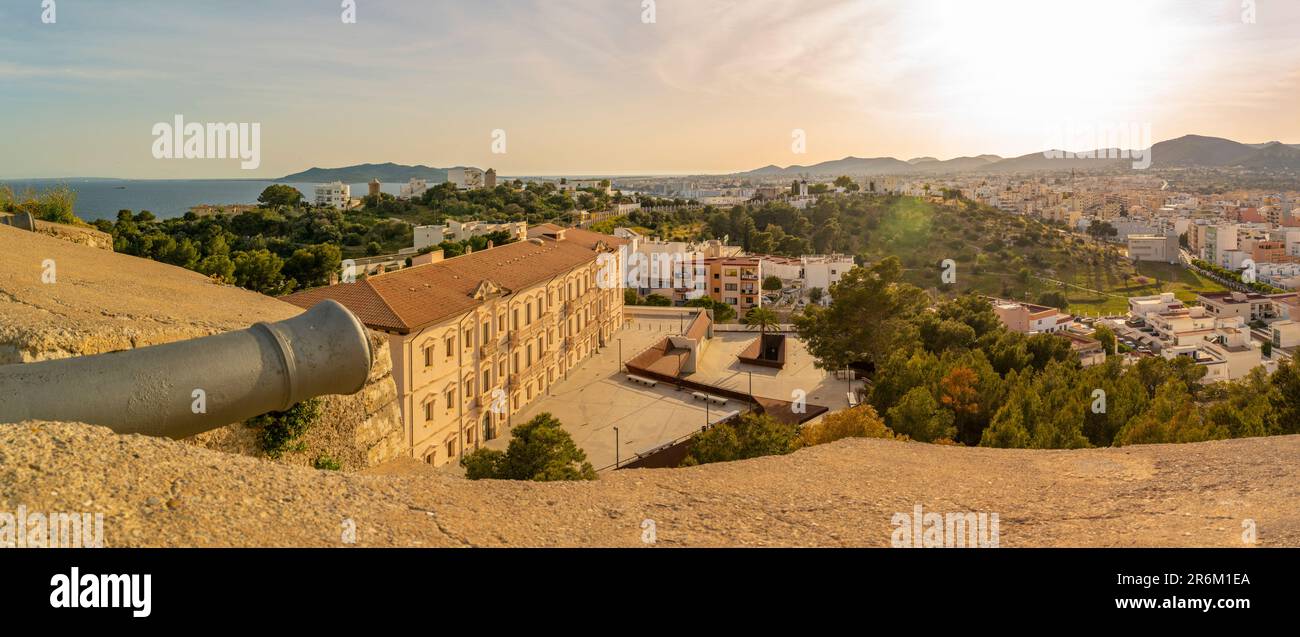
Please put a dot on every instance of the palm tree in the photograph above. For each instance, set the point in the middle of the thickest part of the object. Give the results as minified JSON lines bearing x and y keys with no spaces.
{"x":763,"y":319}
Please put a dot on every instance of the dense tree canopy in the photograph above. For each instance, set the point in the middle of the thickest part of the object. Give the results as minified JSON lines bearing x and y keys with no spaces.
{"x":953,"y":372}
{"x":870,"y":317}
{"x":539,"y":450}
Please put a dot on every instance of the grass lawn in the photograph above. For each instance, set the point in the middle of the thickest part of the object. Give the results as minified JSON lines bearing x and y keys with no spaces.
{"x":1159,"y":277}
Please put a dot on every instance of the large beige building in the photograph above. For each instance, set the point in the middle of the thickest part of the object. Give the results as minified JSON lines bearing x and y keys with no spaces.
{"x":1150,"y":247}
{"x":475,"y":338}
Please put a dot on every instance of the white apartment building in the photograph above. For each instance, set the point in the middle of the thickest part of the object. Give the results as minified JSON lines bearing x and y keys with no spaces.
{"x":454,"y":230}
{"x":1247,"y":306}
{"x":335,"y":195}
{"x":1215,"y":240}
{"x":1293,"y":242}
{"x":573,"y":185}
{"x":784,"y":268}
{"x":1143,"y":306}
{"x":1127,"y":227}
{"x":1229,"y":355}
{"x":1285,"y":334}
{"x":465,"y":178}
{"x":824,"y":270}
{"x":675,"y":269}
{"x":1226,"y":352}
{"x":1184,"y":327}
{"x":1233,"y":259}
{"x":414,"y":188}
{"x":1287,"y":306}
{"x":809,"y":271}
{"x":1280,"y":275}
{"x":1222,"y":345}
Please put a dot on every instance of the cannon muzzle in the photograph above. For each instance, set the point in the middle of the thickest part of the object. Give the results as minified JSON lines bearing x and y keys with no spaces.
{"x":188,"y":387}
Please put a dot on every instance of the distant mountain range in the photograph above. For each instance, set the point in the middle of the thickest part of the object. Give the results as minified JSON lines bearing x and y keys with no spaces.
{"x":361,"y":173}
{"x":1185,"y":152}
{"x":1189,"y":151}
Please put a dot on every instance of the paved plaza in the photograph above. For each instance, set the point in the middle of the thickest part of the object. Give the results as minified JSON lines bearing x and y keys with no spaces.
{"x":595,"y":398}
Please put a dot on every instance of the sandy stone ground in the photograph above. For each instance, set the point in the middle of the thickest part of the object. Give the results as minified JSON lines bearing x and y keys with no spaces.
{"x":156,"y":492}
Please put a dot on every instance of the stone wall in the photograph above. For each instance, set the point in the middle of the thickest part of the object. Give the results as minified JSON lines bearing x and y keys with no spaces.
{"x":102,"y":302}
{"x":81,"y":235}
{"x":357,"y":431}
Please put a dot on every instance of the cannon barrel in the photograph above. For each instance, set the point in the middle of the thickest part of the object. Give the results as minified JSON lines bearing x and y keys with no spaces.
{"x":23,"y":220}
{"x":188,"y":387}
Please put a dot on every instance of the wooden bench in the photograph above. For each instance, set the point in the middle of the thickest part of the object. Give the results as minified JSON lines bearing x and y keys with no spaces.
{"x":853,"y":399}
{"x":717,"y":400}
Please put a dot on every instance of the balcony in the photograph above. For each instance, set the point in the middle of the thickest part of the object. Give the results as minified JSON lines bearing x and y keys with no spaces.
{"x":540,"y":365}
{"x":519,"y":336}
{"x":488,"y":349}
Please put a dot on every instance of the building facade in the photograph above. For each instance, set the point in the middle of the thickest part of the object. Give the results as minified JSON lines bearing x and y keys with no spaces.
{"x":426,"y":236}
{"x":476,"y":338}
{"x":1151,"y":247}
{"x":736,"y":281}
{"x":1027,"y":318}
{"x":334,"y":195}
{"x":413,"y":188}
{"x":465,"y":178}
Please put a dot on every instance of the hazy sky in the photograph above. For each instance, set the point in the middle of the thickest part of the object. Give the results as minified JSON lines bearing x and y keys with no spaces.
{"x":586,"y":87}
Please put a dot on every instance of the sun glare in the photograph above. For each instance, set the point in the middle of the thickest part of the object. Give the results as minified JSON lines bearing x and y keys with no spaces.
{"x":1012,"y":64}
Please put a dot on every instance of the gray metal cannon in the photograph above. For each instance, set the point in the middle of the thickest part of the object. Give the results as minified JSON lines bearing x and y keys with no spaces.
{"x":21,"y":220}
{"x":188,"y":387}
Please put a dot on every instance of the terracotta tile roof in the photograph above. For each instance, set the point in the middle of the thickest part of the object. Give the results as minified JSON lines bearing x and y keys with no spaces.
{"x":584,"y":238}
{"x":411,"y":298}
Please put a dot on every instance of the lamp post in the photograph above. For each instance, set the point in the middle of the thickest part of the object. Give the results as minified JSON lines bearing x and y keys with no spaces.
{"x":616,"y":460}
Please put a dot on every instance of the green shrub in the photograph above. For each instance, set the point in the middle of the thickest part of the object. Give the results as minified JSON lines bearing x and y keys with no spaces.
{"x":750,"y":436}
{"x":281,"y":430}
{"x":326,"y":463}
{"x":540,"y":450}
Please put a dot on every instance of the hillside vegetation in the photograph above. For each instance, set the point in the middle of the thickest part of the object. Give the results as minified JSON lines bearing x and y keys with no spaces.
{"x":994,"y":253}
{"x":952,"y":372}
